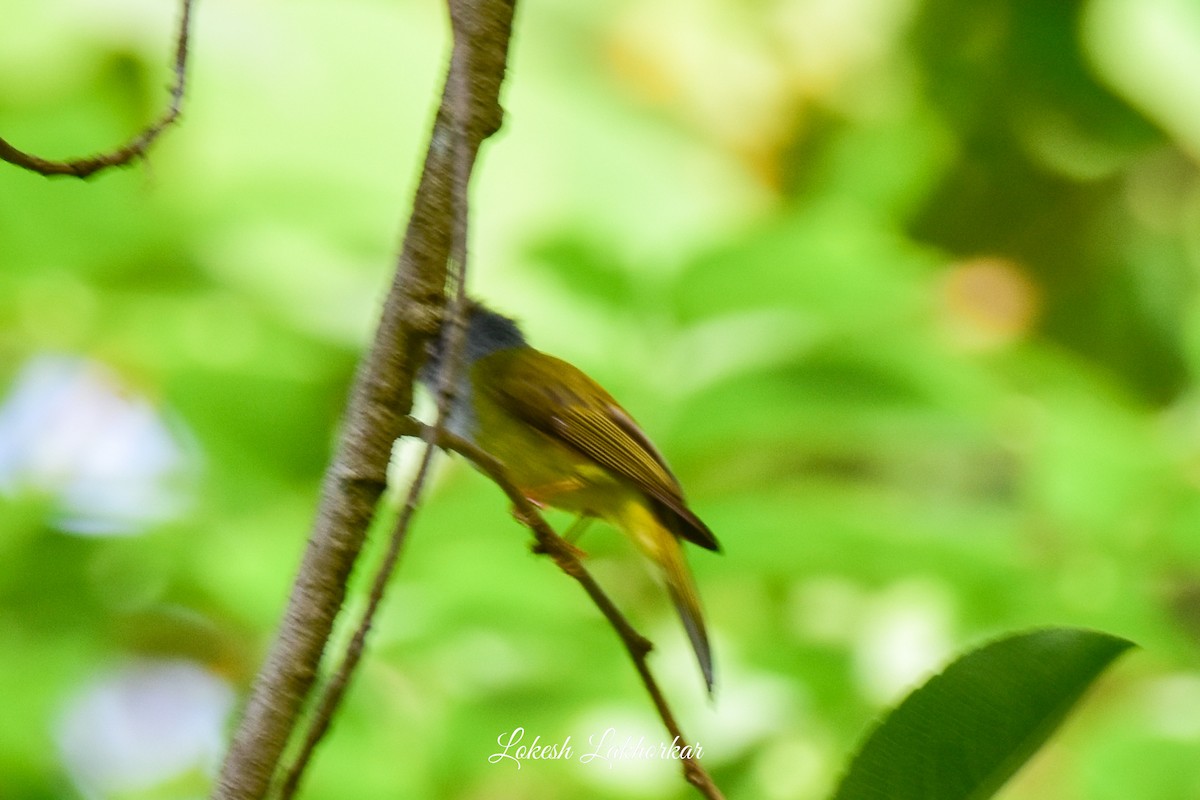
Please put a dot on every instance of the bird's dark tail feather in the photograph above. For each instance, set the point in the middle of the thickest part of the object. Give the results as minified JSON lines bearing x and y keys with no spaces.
{"x":687,"y":602}
{"x":693,"y":623}
{"x":663,"y":546}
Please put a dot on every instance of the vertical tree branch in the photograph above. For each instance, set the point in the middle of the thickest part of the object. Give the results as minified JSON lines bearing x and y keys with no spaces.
{"x":380,"y":399}
{"x":449,"y":367}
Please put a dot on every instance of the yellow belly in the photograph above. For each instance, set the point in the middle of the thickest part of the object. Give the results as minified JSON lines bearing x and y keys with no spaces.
{"x":547,"y":471}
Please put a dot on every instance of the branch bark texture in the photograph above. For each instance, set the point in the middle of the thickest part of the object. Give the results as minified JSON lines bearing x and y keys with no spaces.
{"x":331,"y":695}
{"x":380,"y":400}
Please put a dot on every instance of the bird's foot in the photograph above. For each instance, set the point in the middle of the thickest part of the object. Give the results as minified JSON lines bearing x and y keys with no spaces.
{"x":565,"y":541}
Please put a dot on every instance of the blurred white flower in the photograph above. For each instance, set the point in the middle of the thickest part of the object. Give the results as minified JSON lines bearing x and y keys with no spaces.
{"x":150,"y":724}
{"x":109,"y":460}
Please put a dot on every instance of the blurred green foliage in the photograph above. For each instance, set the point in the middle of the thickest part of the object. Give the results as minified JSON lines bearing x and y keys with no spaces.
{"x":906,"y":291}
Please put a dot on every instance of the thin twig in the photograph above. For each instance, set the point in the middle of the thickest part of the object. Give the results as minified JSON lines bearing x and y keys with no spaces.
{"x":453,"y":334}
{"x":136,"y":147}
{"x":335,"y":689}
{"x":564,"y":556}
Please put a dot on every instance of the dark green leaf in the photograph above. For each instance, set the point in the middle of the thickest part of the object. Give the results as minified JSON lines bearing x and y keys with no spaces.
{"x":969,"y":729}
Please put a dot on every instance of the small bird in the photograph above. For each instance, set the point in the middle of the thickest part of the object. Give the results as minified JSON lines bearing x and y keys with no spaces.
{"x":566,"y":443}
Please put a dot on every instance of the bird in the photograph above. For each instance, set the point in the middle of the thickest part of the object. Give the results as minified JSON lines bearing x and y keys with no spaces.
{"x":567,"y":444}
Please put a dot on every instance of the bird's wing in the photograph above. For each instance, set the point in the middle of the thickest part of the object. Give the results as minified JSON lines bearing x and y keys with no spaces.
{"x":563,"y":402}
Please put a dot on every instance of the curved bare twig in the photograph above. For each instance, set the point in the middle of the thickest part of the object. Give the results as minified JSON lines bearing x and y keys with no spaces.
{"x":137,"y":147}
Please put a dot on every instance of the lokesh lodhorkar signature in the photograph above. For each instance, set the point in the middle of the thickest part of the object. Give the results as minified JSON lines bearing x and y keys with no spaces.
{"x":604,"y":748}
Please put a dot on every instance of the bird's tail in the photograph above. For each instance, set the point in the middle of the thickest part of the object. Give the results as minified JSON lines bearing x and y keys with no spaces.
{"x":665,"y":549}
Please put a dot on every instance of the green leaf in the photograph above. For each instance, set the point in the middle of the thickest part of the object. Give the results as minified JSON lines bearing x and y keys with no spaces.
{"x":969,"y":729}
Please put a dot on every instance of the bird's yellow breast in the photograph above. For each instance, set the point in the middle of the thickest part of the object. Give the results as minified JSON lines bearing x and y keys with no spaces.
{"x":548,"y":471}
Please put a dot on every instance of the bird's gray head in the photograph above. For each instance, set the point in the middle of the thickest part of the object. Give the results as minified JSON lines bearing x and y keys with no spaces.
{"x":487,"y":332}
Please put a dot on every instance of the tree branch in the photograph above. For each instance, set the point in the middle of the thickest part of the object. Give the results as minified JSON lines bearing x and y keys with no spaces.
{"x":138,"y":146}
{"x":564,"y":556}
{"x":381,"y":396}
{"x":447,"y":379}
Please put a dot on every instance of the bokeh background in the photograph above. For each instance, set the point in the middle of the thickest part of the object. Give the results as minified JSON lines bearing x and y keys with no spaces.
{"x":907,"y":291}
